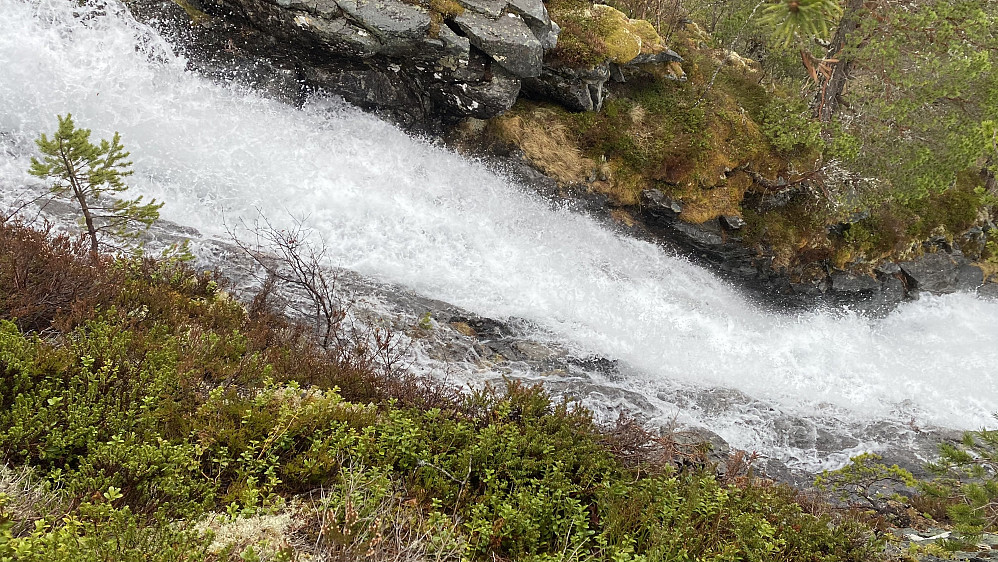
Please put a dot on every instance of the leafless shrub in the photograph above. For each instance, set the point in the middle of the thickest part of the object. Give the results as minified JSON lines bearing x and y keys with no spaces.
{"x":739,"y":468}
{"x":637,"y":447}
{"x":291,"y":257}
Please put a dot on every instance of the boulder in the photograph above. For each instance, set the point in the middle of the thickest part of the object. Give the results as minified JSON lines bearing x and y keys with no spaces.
{"x":341,"y":35}
{"x":850,"y":284}
{"x":660,"y":206}
{"x":480,"y":99}
{"x":368,"y":88}
{"x":533,"y":12}
{"x":491,"y":8}
{"x":942,"y":273}
{"x":399,"y":26}
{"x":506,"y":39}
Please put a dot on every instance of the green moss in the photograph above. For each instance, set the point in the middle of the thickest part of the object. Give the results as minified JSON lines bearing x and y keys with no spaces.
{"x":196,"y":15}
{"x":595,"y":33}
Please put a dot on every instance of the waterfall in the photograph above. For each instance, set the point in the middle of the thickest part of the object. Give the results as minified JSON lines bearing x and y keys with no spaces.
{"x":404,"y":210}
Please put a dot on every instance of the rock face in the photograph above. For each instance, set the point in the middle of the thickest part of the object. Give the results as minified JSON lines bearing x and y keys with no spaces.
{"x":942,"y":273}
{"x":717,"y":244}
{"x":419,"y":67}
{"x":399,"y":58}
{"x":506,"y":39}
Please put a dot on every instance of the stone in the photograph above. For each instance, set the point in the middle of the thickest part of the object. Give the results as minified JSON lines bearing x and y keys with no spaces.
{"x":665,"y":56}
{"x":891,"y":293}
{"x":455,"y":47}
{"x":616,"y":74}
{"x":341,"y":35}
{"x":887,"y":268}
{"x":366,"y":88}
{"x":507,"y":40}
{"x":942,"y":273}
{"x":480,"y":99}
{"x":548,"y":36}
{"x":532,"y":11}
{"x":969,"y":277}
{"x":491,"y":8}
{"x":534,"y":351}
{"x":575,"y":89}
{"x":843,"y":282}
{"x":659,"y":205}
{"x":732,"y":222}
{"x":988,"y":291}
{"x":398,"y":25}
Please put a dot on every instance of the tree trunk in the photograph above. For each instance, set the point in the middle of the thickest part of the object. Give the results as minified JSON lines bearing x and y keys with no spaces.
{"x":829,"y":98}
{"x":81,"y":196}
{"x":990,"y":182}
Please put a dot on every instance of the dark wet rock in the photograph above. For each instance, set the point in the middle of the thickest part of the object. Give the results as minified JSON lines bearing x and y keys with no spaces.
{"x":942,"y":273}
{"x":506,"y":39}
{"x":481,"y":99}
{"x":576,"y":89}
{"x":988,"y":290}
{"x":732,"y":222}
{"x":366,"y":88}
{"x":595,"y":363}
{"x":969,"y":277}
{"x":864,"y":293}
{"x":379,"y":54}
{"x":851,"y":284}
{"x":660,"y":206}
{"x":887,"y":269}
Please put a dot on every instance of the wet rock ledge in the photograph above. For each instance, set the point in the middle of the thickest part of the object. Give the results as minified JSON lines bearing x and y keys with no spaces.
{"x":718,"y":243}
{"x":420,"y":63}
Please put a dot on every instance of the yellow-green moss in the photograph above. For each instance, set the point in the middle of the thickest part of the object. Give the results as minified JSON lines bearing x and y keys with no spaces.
{"x":196,"y":15}
{"x":592,"y":34}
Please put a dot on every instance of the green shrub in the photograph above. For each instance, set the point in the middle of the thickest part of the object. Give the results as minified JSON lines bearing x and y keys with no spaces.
{"x":173,"y":401}
{"x":790,"y":126}
{"x":969,"y":478}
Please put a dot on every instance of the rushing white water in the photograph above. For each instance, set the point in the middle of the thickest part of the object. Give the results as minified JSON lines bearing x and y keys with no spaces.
{"x":402,"y":210}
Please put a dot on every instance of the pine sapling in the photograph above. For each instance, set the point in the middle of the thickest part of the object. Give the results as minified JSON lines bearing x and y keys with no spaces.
{"x":92,"y":176}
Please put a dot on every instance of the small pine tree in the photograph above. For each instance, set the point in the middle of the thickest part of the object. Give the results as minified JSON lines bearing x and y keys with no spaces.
{"x":806,"y":17}
{"x":92,"y":174}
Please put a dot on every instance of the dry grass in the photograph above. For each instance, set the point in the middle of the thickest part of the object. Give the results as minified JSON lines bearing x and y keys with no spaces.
{"x":361,"y":519}
{"x":547,"y":143}
{"x":24,"y":499}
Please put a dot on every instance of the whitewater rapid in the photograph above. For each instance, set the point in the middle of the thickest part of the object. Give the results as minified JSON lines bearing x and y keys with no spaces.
{"x":406,"y":211}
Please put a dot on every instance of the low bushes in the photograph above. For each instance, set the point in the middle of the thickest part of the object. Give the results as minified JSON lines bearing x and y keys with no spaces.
{"x":161,"y":401}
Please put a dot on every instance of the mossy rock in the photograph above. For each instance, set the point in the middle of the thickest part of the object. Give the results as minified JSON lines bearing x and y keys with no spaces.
{"x":593,"y":34}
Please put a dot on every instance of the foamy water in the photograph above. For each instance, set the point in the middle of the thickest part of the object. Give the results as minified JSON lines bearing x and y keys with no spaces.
{"x":403,"y":210}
